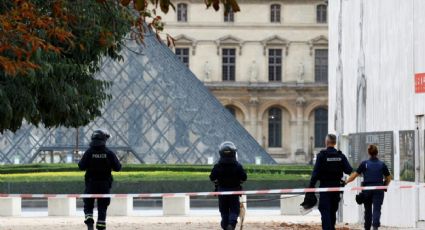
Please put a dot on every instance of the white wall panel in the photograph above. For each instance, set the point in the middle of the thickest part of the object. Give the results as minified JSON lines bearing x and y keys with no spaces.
{"x":394,"y":50}
{"x":419,"y":9}
{"x":388,"y":37}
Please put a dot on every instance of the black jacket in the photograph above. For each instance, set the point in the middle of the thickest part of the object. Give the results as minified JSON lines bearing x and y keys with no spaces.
{"x":329,"y":168}
{"x":98,"y":162}
{"x":229,"y":174}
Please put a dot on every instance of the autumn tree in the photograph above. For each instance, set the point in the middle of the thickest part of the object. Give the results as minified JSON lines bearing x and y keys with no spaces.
{"x":50,"y":51}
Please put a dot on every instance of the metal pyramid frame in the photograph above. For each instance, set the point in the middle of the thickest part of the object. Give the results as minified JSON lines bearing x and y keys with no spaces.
{"x":159,"y":113}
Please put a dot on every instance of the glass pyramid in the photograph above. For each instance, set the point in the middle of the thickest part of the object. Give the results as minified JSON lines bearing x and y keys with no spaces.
{"x":159,"y":113}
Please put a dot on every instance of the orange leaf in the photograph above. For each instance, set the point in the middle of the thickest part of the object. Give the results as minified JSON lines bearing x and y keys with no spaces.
{"x":139,"y":5}
{"x":125,"y":2}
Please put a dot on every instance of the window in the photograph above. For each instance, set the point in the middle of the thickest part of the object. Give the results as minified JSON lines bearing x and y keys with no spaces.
{"x":275,"y":64}
{"x":321,"y":65}
{"x":231,"y":110}
{"x":275,"y":13}
{"x":229,"y":59}
{"x":183,"y":55}
{"x":230,"y":17}
{"x":320,"y":127}
{"x":182,"y":12}
{"x":275,"y":127}
{"x":322,"y":14}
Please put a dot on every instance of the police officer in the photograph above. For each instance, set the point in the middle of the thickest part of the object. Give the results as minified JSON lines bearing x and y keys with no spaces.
{"x":329,"y":168}
{"x":228,"y":174}
{"x":98,"y":162}
{"x":375,"y":173}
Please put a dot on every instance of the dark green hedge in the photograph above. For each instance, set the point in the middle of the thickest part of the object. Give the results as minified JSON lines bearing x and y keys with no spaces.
{"x":139,"y":187}
{"x":33,"y":168}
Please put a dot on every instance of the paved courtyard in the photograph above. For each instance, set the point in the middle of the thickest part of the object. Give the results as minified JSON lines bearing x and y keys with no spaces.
{"x":256,"y":219}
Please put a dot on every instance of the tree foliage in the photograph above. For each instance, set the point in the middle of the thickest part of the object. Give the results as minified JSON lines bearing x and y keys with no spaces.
{"x":50,"y":51}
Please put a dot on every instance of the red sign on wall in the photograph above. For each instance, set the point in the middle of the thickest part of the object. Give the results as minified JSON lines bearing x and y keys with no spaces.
{"x":420,"y":83}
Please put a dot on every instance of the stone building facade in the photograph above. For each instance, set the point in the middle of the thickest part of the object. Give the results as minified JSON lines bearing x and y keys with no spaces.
{"x":268,"y":64}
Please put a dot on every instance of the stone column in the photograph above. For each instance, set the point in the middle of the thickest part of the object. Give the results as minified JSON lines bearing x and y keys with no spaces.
{"x":300,"y":154}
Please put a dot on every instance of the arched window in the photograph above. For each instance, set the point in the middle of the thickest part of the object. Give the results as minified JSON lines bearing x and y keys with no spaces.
{"x":275,"y":13}
{"x":182,"y":12}
{"x":275,"y":127}
{"x":231,"y":110}
{"x":320,"y":127}
{"x":322,"y":14}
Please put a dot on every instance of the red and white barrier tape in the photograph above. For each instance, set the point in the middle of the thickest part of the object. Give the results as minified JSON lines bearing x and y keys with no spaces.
{"x":255,"y":192}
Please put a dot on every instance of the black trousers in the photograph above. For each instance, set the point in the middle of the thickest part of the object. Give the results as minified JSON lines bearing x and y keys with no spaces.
{"x":372,"y":206}
{"x":229,"y":207}
{"x":328,"y":206}
{"x":97,"y":187}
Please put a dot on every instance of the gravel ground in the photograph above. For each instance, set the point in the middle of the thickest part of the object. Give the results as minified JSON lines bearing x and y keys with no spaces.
{"x":157,"y":223}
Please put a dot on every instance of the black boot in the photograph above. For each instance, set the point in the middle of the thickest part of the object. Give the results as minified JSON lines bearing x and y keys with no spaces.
{"x":89,"y":222}
{"x":100,"y":225}
{"x":230,"y":227}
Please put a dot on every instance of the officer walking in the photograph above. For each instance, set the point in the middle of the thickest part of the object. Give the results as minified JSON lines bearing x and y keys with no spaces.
{"x":329,"y":168}
{"x":228,"y":174}
{"x":98,"y":162}
{"x":375,"y":173}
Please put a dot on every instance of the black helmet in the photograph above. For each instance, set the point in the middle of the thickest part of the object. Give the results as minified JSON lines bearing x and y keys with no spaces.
{"x":227,"y":149}
{"x":101,"y":135}
{"x":310,"y":200}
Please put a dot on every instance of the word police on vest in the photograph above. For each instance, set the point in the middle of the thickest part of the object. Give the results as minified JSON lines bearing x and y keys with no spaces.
{"x":334,"y":159}
{"x":99,"y":156}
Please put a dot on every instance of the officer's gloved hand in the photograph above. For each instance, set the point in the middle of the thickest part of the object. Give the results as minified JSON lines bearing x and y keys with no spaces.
{"x":310,"y":200}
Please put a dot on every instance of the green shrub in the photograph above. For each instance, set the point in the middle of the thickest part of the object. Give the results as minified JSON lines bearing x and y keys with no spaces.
{"x":139,"y":176}
{"x":72,"y":187}
{"x":269,"y":169}
{"x":67,"y":178}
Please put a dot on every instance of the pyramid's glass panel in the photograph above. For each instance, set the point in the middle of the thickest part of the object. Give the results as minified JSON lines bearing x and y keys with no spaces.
{"x":159,"y":113}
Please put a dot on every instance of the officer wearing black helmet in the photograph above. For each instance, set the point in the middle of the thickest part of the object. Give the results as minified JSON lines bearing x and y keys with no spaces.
{"x":228,"y":174}
{"x":98,"y":162}
{"x":329,"y":168}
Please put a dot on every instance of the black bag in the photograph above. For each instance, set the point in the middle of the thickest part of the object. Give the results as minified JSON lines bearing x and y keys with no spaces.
{"x":310,"y":200}
{"x":361,"y":198}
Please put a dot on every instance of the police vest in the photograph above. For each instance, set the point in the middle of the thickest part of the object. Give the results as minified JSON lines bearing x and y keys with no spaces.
{"x":332,"y":166}
{"x":100,"y":165}
{"x":374,"y":172}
